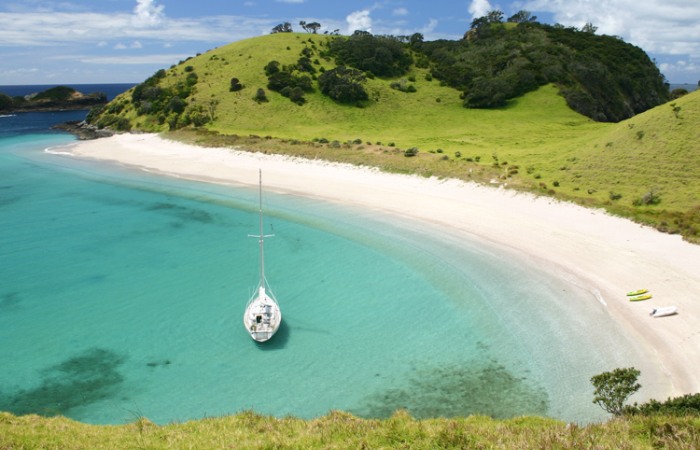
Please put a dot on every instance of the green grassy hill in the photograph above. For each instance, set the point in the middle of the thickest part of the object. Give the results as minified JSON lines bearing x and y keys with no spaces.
{"x":642,"y":168}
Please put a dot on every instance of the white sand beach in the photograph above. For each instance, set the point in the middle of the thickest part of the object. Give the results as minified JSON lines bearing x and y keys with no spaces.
{"x":610,"y":255}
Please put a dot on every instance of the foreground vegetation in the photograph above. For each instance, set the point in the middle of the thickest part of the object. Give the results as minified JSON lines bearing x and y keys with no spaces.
{"x":342,"y":430}
{"x":674,"y":423}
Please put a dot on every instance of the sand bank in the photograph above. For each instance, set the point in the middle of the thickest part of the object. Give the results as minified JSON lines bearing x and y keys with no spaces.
{"x":610,"y":255}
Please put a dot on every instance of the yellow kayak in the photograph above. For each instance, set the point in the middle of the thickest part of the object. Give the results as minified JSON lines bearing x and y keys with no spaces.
{"x":637,"y":292}
{"x":637,"y":298}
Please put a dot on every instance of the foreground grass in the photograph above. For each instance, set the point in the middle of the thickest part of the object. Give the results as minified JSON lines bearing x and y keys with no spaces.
{"x":342,"y":430}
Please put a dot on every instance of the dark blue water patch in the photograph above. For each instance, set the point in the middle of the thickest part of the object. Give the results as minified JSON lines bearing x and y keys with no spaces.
{"x":22,"y":124}
{"x":185,"y":214}
{"x":81,"y":380}
{"x":472,"y":388}
{"x":10,"y":301}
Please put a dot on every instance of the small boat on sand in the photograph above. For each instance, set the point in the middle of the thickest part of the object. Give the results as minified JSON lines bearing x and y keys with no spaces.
{"x":664,"y":311}
{"x":637,"y":292}
{"x":638,"y":298}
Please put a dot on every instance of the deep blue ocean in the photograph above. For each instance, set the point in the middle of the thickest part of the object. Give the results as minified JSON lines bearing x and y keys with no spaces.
{"x":122,"y":294}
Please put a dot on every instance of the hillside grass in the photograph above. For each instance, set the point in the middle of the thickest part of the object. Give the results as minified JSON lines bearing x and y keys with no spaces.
{"x":534,"y":143}
{"x":339,"y":430}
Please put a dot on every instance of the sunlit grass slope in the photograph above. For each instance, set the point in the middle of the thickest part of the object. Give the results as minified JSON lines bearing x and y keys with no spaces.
{"x":535,"y":143}
{"x":431,"y":118}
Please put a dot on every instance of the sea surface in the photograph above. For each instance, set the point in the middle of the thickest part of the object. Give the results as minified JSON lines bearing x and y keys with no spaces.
{"x":122,"y":294}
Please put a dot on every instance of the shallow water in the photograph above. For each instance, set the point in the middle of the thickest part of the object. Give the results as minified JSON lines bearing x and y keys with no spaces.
{"x":122,"y":296}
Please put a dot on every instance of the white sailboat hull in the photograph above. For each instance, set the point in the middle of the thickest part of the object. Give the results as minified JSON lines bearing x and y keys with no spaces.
{"x":262,"y":317}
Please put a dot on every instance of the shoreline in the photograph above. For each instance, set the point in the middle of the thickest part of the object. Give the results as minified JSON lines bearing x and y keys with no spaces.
{"x":610,"y":255}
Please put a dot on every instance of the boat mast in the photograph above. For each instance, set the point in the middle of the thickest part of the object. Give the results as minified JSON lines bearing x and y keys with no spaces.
{"x":261,"y":235}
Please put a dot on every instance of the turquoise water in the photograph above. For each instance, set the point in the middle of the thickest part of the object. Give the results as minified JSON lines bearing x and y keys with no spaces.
{"x":122,"y":295}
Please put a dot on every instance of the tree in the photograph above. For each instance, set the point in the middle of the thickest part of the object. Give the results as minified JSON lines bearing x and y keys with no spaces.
{"x":495,"y":16}
{"x":272,"y":68}
{"x":260,"y":96}
{"x":343,"y":85}
{"x":282,"y":28}
{"x":311,"y":27}
{"x":416,"y":39}
{"x":235,"y":85}
{"x":612,"y":389}
{"x":522,"y":17}
{"x":589,"y":28}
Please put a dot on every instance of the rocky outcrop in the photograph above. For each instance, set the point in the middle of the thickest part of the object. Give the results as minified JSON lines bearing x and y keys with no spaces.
{"x":83,"y":130}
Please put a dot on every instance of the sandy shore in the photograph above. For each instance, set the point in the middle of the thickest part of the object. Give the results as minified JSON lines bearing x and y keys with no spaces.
{"x":610,"y":255}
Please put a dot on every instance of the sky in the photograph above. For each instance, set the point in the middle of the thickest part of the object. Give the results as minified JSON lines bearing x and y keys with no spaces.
{"x":127,"y":41}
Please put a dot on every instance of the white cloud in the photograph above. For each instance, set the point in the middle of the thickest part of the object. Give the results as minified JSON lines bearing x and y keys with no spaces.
{"x":58,"y":28}
{"x":479,"y":8}
{"x":148,"y":14}
{"x":429,"y":27}
{"x":684,"y":69}
{"x":359,"y":20}
{"x":124,"y":60}
{"x":400,"y":12}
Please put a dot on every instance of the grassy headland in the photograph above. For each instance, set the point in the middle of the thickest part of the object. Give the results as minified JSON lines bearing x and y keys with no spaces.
{"x":642,"y":168}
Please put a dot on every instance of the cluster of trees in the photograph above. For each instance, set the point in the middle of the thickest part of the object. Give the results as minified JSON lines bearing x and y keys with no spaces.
{"x":344,"y":85}
{"x":601,"y":77}
{"x":165,"y":104}
{"x":381,"y":56}
{"x":290,"y":81}
{"x":310,"y":27}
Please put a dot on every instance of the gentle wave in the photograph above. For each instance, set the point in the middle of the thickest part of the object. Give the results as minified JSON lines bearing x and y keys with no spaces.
{"x":7,"y":115}
{"x":55,"y":150}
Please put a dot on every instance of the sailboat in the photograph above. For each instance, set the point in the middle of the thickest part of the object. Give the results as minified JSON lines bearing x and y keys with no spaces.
{"x":262,"y":317}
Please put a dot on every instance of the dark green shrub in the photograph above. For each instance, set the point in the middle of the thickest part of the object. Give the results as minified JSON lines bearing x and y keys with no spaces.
{"x":176,"y":105}
{"x":260,"y":96}
{"x":686,"y":405}
{"x":650,"y":198}
{"x":295,"y":94}
{"x":272,"y":68}
{"x":235,"y":85}
{"x":413,"y":151}
{"x":344,"y":85}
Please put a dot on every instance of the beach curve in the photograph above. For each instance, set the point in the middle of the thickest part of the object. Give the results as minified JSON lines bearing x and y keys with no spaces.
{"x":610,"y":255}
